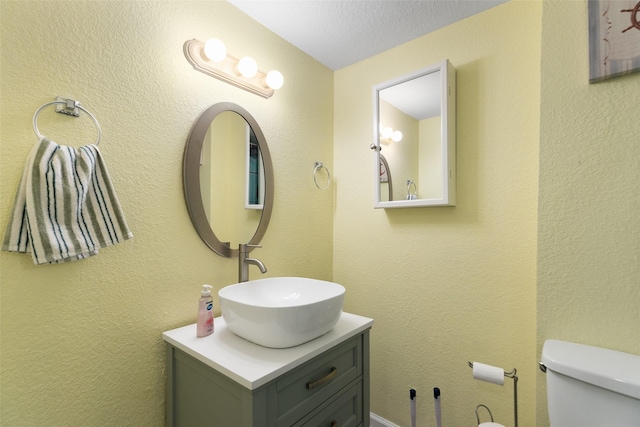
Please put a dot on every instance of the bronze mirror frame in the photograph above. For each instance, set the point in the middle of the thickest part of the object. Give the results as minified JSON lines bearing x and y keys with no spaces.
{"x":191,"y":178}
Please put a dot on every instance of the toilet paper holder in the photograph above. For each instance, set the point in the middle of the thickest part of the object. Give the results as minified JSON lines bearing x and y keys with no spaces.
{"x":513,"y":376}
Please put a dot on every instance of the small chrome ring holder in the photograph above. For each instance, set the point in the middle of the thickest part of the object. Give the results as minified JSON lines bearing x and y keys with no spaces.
{"x":412,"y":195}
{"x":319,"y":166}
{"x":69,"y":107}
{"x":488,"y":410}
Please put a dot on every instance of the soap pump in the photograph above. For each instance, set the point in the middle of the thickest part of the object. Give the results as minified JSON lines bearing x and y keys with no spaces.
{"x":205,"y":313}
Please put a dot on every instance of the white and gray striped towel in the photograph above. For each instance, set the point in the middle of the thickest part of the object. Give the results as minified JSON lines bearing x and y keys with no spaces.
{"x":66,"y":207}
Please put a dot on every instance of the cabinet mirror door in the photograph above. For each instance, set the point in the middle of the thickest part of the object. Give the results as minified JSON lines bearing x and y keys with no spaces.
{"x":414,"y":139}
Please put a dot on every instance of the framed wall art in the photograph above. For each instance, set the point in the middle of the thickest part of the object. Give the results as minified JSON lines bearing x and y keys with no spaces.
{"x":614,"y":38}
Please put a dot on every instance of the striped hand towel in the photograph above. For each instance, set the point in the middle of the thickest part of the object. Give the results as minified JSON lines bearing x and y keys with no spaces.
{"x":66,"y":207}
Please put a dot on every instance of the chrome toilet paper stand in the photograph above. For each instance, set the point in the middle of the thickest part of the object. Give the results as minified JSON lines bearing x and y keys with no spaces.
{"x":513,"y":376}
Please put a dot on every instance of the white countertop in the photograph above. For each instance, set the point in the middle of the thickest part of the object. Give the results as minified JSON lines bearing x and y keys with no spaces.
{"x":251,"y":365}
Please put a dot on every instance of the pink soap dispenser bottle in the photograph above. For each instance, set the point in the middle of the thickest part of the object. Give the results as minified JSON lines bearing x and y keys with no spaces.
{"x":205,"y":313}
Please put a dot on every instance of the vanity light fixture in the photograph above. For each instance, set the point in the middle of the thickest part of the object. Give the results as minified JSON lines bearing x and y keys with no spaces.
{"x":211,"y":58}
{"x":388,"y":135}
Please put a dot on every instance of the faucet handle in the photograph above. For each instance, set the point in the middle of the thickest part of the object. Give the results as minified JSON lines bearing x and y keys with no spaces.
{"x":243,"y":247}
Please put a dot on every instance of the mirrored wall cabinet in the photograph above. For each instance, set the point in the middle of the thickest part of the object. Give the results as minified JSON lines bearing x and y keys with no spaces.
{"x":414,"y":119}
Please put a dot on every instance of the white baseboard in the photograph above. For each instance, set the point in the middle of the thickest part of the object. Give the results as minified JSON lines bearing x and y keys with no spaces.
{"x":377,"y":421}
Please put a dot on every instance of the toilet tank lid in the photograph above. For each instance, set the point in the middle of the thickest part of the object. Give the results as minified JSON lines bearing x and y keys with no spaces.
{"x":609,"y":369}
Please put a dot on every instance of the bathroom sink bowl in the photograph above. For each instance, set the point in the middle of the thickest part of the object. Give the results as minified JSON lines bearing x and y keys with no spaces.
{"x":281,"y":312}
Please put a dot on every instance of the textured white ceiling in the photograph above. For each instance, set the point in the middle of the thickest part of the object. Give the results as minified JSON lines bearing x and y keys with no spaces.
{"x":339,"y":33}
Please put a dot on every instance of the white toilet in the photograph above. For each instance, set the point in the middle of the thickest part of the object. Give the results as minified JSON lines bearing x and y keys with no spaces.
{"x":590,"y":386}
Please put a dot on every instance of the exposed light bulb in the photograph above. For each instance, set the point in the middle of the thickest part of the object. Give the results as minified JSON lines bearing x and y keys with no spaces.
{"x":248,"y":67}
{"x":274,"y":79}
{"x":397,"y":136}
{"x":387,"y":132}
{"x":215,"y":50}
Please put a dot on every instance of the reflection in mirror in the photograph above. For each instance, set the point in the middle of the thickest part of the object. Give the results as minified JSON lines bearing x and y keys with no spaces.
{"x":254,"y":173}
{"x":228,"y":179}
{"x":386,"y":184}
{"x":229,"y":172}
{"x":414,"y":126}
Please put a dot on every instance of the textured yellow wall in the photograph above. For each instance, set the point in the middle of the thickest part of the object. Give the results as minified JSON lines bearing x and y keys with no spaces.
{"x":589,"y":225}
{"x":448,"y":285}
{"x":81,"y":343}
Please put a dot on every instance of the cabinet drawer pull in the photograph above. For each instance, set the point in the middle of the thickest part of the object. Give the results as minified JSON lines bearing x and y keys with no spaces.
{"x":322,"y":381}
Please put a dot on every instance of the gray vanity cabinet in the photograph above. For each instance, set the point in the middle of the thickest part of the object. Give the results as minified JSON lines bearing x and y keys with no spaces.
{"x":331,"y":389}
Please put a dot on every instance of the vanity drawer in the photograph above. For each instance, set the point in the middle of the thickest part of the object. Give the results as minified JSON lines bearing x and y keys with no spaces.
{"x":343,"y":411}
{"x":313,"y":383}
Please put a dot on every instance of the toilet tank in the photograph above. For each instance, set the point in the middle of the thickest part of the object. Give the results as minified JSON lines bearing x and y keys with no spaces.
{"x":591,"y":386}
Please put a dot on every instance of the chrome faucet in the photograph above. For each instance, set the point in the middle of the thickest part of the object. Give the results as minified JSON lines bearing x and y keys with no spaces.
{"x":243,"y":268}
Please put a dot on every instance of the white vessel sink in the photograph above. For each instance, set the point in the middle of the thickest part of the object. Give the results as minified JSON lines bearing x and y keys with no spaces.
{"x":281,"y":312}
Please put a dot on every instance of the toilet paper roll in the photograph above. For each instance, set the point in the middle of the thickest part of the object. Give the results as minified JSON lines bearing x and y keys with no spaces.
{"x":488,"y":373}
{"x":490,"y":425}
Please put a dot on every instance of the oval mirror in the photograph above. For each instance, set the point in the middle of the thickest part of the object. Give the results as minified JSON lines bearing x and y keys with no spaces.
{"x":228,"y":178}
{"x":414,"y":139}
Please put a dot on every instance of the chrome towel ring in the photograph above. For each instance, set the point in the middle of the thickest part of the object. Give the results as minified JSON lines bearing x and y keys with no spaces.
{"x":318,"y":166}
{"x":71,"y":108}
